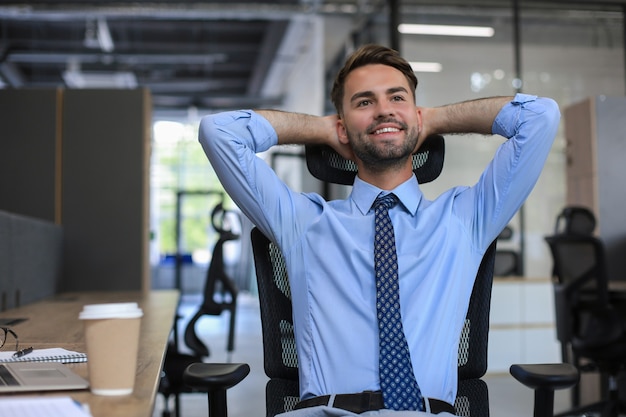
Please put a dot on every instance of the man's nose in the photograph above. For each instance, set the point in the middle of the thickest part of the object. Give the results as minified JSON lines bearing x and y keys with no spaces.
{"x":384,"y":108}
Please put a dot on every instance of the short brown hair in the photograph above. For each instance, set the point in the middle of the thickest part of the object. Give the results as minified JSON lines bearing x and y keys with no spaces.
{"x":366,"y":55}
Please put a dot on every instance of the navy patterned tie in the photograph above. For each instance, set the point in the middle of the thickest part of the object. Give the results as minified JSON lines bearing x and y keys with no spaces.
{"x":397,"y":380}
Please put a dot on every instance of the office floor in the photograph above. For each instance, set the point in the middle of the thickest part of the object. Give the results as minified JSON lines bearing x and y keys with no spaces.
{"x":507,"y":397}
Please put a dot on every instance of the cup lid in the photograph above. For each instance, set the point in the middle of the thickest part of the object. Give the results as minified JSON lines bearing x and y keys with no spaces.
{"x":110,"y":311}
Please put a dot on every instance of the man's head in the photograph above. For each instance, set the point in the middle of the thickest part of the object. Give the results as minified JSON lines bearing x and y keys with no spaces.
{"x":366,"y":55}
{"x":378,"y":118}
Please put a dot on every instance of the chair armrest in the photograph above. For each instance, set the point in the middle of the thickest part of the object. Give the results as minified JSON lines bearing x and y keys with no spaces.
{"x":207,"y":377}
{"x":552,"y":376}
{"x":215,"y":379}
{"x":544,"y":379}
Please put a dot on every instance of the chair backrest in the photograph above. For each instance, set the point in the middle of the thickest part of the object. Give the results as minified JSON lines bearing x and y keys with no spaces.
{"x":279,"y":348}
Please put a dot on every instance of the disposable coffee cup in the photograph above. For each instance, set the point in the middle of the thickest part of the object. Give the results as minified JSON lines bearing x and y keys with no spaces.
{"x":112,"y":337}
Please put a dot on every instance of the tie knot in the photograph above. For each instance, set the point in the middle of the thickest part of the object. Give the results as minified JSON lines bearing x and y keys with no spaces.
{"x":385,"y":201}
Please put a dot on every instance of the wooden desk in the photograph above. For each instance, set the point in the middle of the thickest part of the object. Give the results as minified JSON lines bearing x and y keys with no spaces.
{"x":54,"y":323}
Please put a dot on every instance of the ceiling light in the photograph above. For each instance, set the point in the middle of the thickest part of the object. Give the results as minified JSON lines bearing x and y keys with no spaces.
{"x":426,"y":66}
{"x":98,"y":35}
{"x":104,"y":36}
{"x":446,"y":30}
{"x":78,"y":79}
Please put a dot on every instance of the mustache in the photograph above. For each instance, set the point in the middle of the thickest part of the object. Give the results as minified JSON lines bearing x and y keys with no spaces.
{"x":375,"y":126}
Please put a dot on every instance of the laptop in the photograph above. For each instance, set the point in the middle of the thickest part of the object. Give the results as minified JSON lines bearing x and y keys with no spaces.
{"x":38,"y":376}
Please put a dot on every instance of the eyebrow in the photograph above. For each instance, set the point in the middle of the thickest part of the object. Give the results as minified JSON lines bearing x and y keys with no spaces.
{"x":368,"y":93}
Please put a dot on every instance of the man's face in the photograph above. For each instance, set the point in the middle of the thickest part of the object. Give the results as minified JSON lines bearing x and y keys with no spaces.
{"x":380,"y":120}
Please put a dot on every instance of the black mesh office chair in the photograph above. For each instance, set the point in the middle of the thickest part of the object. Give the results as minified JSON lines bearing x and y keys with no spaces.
{"x":589,"y":327}
{"x":280,"y":358}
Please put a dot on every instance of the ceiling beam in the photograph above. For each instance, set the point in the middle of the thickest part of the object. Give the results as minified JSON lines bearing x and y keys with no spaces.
{"x":153,"y":11}
{"x":100,"y":58}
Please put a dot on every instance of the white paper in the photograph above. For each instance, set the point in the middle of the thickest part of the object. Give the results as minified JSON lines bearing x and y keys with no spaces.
{"x":41,"y":406}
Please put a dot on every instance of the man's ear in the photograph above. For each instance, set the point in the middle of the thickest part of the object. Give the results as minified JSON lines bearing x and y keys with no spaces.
{"x":341,"y":132}
{"x":420,"y":121}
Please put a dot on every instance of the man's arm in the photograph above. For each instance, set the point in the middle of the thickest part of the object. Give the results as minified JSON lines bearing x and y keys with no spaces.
{"x":473,"y":116}
{"x":300,"y":128}
{"x":305,"y":129}
{"x":232,"y":140}
{"x":530,"y":124}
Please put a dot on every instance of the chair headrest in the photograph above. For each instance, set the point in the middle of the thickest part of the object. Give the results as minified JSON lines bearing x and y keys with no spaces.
{"x":576,"y":220}
{"x":222,"y":219}
{"x":327,"y":165}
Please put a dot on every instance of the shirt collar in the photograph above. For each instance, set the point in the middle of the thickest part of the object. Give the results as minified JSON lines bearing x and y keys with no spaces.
{"x":363,"y":194}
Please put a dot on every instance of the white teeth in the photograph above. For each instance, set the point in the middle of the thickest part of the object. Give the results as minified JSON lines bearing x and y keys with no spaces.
{"x":386,"y":130}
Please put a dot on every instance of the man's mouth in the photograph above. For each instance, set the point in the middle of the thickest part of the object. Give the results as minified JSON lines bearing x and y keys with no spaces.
{"x":386,"y":130}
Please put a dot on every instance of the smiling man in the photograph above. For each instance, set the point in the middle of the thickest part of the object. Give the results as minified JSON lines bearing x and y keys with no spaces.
{"x":384,"y":263}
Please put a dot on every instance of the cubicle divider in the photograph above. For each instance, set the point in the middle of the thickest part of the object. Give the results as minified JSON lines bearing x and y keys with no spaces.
{"x":30,"y":259}
{"x":80,"y":159}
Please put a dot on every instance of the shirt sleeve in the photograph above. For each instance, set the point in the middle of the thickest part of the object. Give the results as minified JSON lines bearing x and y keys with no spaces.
{"x":530,"y":124}
{"x":231,"y":141}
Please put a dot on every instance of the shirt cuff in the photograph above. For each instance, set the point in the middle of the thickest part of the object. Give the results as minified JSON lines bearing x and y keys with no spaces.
{"x":248,"y":126}
{"x":506,"y":121}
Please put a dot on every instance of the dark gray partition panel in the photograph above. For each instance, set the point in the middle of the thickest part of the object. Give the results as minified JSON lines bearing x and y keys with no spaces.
{"x":37,"y":258}
{"x":106,"y":139}
{"x":6,"y":279}
{"x":30,"y":259}
{"x":28,"y":136}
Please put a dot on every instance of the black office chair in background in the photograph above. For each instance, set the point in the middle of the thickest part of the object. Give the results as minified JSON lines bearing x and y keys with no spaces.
{"x":591,"y":331}
{"x":219,"y":295}
{"x":571,"y":221}
{"x":575,"y":220}
{"x":280,"y":357}
{"x":220,"y":291}
{"x":507,"y":262}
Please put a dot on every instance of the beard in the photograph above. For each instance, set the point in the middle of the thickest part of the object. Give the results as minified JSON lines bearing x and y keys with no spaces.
{"x":385,"y":155}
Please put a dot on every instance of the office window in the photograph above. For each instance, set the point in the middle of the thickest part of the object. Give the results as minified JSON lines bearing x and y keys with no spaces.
{"x":567,"y":52}
{"x":182,"y":175}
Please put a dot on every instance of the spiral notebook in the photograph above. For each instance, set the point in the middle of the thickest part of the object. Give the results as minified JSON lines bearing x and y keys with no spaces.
{"x":46,"y":355}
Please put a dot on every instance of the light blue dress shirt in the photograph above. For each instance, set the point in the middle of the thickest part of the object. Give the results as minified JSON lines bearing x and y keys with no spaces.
{"x":328,"y":247}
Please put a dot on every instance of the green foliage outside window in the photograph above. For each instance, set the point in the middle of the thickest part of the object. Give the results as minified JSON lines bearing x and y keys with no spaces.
{"x":180,"y":165}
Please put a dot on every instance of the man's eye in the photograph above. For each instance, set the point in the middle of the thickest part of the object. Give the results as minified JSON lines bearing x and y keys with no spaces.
{"x":397,"y":98}
{"x":363,"y":103}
